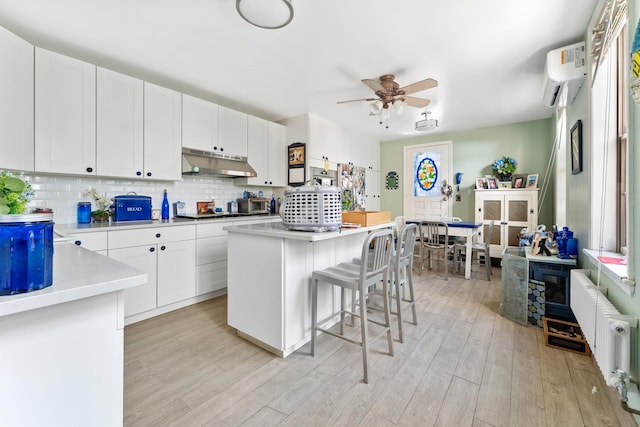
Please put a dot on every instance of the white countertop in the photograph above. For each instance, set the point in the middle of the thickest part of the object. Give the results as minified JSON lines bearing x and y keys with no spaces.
{"x":553,"y":259}
{"x":77,"y":273}
{"x":278,"y":230}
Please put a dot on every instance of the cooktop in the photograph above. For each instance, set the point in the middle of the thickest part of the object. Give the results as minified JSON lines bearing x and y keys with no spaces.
{"x":215,"y":215}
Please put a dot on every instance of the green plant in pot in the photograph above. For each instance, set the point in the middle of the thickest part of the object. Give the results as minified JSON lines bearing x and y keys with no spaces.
{"x":15,"y":193}
{"x":103,"y":203}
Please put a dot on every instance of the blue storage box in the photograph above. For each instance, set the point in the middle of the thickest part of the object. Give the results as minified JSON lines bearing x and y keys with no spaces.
{"x":131,"y":208}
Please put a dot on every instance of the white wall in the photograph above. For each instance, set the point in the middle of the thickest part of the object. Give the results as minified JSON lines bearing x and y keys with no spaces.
{"x":62,"y":193}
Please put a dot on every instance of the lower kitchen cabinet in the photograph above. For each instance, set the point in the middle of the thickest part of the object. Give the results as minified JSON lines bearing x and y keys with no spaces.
{"x":211,"y":257}
{"x":140,"y":298}
{"x":176,"y":272}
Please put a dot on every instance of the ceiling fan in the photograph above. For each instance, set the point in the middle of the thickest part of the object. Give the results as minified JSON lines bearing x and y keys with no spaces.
{"x":389,"y":92}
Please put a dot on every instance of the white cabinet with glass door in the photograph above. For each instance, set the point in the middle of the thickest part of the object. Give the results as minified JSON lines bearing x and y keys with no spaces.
{"x":162,"y":133}
{"x":16,"y":102}
{"x":511,"y":210}
{"x":65,"y":114}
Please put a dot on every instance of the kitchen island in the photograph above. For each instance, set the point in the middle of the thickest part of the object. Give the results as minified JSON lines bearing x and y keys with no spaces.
{"x":269,"y":268}
{"x":63,"y":346}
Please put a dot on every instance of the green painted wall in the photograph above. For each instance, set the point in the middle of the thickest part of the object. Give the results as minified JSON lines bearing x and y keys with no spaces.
{"x":474,"y":152}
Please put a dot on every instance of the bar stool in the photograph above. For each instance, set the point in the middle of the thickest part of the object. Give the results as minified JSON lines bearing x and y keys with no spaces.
{"x":374,"y":269}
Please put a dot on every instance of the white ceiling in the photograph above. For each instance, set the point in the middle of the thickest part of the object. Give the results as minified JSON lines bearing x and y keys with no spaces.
{"x":488,"y":56}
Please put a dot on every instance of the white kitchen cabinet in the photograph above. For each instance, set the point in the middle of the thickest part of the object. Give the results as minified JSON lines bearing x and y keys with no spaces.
{"x":211,"y":257}
{"x":16,"y":102}
{"x":199,"y":123}
{"x":372,"y":190}
{"x":370,"y":149}
{"x":96,"y":241}
{"x":511,"y":210}
{"x":232,"y":131}
{"x":266,"y":153}
{"x":167,"y":254}
{"x":65,"y":114}
{"x":119,"y":125}
{"x":162,"y":133}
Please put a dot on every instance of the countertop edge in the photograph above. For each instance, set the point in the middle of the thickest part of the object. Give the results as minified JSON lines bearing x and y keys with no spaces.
{"x":278,"y":231}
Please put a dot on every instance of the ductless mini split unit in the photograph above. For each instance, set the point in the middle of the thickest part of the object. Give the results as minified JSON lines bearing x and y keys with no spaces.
{"x":565,"y":66}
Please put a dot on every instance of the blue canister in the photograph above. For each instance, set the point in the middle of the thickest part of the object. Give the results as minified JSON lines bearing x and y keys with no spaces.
{"x":84,"y":212}
{"x":26,"y":253}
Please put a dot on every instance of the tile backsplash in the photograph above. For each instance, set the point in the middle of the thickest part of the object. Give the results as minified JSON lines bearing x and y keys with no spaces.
{"x":62,"y":193}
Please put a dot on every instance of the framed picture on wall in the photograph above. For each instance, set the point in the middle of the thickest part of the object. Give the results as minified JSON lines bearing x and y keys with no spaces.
{"x":576,"y":148}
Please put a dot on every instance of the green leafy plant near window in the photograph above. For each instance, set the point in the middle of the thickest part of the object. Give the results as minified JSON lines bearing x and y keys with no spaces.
{"x":15,"y":193}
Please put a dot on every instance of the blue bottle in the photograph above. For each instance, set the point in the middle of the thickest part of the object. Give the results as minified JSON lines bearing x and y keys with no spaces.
{"x":273,"y":204}
{"x":165,"y":206}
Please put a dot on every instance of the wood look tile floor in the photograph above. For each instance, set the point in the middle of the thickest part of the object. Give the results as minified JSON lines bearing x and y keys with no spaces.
{"x":462,"y":365}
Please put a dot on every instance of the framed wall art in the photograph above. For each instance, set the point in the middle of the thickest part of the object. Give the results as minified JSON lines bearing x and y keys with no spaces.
{"x":297,"y":161}
{"x":576,"y":147}
{"x":532,"y":180}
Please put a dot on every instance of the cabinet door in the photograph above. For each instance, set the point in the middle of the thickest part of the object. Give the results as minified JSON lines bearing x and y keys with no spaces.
{"x":232,"y":131}
{"x":372,"y":190}
{"x":176,"y":271}
{"x":199,"y":123}
{"x":139,"y":298}
{"x":119,"y":125}
{"x":322,"y":142}
{"x":490,"y":207}
{"x":277,"y":155}
{"x":162,"y":133}
{"x":65,"y":114}
{"x":258,"y":150}
{"x":93,"y":241}
{"x":16,"y":102}
{"x":519,"y":212}
{"x":211,"y":277}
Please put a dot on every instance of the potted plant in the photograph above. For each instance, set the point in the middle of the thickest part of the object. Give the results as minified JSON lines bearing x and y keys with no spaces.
{"x":103,"y":203}
{"x":504,"y":167}
{"x":15,"y":193}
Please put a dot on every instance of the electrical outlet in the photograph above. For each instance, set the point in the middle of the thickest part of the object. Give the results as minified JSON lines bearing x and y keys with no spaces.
{"x":458,"y":197}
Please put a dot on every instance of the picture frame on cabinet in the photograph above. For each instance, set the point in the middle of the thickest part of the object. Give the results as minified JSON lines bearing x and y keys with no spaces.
{"x":532,"y":180}
{"x":519,"y":181}
{"x":296,"y":154}
{"x":480,"y":183}
{"x":492,"y":183}
{"x":576,"y":148}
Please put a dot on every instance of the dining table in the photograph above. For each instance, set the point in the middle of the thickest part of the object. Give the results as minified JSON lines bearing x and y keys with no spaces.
{"x":467,"y":229}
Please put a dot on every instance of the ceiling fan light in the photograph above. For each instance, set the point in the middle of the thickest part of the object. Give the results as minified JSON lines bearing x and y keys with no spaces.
{"x":384,"y":113}
{"x":376,"y":106}
{"x":269,"y":14}
{"x":399,"y":105}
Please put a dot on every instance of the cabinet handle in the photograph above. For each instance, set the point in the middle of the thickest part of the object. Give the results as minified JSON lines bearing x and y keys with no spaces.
{"x":215,"y":147}
{"x":152,"y":249}
{"x":266,"y":182}
{"x":148,"y":173}
{"x":221,"y":148}
{"x":163,"y":247}
{"x":158,"y":235}
{"x":89,"y":169}
{"x":78,"y":242}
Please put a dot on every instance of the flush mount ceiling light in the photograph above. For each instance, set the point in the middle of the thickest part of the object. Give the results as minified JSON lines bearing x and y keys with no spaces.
{"x":269,"y":14}
{"x":427,"y":123}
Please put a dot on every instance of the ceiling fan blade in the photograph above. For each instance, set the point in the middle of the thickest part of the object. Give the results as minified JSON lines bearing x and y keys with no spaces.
{"x":356,"y":100}
{"x":375,"y":85}
{"x":416,"y":102}
{"x":419,"y":86}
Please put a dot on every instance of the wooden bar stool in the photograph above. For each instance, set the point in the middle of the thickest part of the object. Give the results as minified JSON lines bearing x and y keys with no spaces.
{"x":374,"y":269}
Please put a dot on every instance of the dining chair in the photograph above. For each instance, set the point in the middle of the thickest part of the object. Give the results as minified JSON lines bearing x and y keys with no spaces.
{"x":434,"y":240}
{"x":373,"y":269}
{"x":477,"y":249}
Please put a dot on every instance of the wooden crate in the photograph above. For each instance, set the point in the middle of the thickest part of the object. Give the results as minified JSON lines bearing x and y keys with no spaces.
{"x":366,"y":218}
{"x":565,"y":335}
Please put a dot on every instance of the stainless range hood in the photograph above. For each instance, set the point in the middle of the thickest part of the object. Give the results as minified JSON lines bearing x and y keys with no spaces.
{"x":199,"y":162}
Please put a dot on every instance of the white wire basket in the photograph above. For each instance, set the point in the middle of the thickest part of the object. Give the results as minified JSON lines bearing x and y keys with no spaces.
{"x":312,"y":208}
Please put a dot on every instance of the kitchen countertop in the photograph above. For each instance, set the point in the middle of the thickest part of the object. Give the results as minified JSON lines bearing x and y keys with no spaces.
{"x":84,"y":228}
{"x":278,"y":230}
{"x":77,"y":273}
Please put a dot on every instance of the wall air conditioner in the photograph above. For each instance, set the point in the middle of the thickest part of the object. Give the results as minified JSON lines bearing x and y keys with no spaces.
{"x":565,"y":66}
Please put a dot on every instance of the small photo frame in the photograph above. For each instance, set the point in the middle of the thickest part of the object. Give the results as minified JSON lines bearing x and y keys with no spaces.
{"x":532,"y":180}
{"x":296,"y":154}
{"x":480,"y":183}
{"x":492,"y":183}
{"x":576,"y":148}
{"x":504,"y":184}
{"x":519,"y":181}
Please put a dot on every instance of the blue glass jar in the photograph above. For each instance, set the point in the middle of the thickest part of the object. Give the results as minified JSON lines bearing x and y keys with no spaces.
{"x":84,"y":212}
{"x":26,"y":253}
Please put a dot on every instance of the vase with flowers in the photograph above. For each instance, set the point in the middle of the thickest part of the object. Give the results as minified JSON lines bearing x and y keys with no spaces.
{"x":504,"y":167}
{"x":103,"y":203}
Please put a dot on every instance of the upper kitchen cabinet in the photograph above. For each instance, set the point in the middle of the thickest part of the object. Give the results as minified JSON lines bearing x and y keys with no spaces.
{"x":199,"y":124}
{"x":162,"y":133}
{"x":266,"y":153}
{"x":320,"y":135}
{"x":119,"y":125}
{"x":65,"y":114}
{"x":16,"y":102}
{"x":232,"y":131}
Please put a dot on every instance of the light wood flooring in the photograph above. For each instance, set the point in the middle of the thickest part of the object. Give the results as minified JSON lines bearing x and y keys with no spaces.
{"x":462,"y":365}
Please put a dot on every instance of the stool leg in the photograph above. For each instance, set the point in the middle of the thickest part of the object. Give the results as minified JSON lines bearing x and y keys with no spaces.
{"x":342,"y":304}
{"x":364,"y":336}
{"x":396,"y":283}
{"x":409,"y":282}
{"x":387,"y":315}
{"x":314,"y":314}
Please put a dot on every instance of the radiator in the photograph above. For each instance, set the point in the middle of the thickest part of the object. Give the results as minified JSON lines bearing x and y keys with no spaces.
{"x":605,"y":329}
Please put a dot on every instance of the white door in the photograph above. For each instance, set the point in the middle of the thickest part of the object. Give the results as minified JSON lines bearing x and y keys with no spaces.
{"x":426,"y":166}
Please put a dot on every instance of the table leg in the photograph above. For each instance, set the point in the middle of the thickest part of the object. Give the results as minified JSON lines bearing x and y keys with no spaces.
{"x":469,"y":251}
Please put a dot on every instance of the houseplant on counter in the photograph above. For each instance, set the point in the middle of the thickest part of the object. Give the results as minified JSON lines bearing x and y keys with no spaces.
{"x":15,"y":193}
{"x":103,"y":203}
{"x":504,"y":167}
